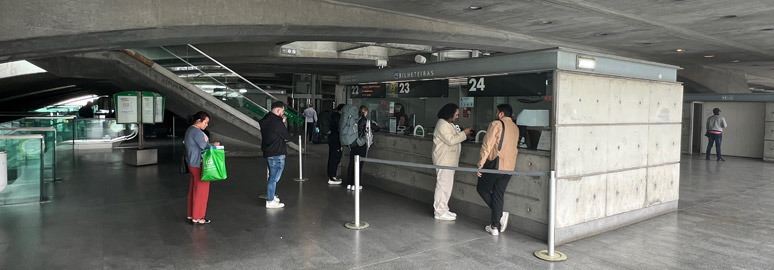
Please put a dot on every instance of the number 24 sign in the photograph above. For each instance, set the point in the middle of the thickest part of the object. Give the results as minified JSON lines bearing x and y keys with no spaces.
{"x":476,"y":84}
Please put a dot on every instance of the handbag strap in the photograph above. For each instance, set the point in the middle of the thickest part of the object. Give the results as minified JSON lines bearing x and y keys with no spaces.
{"x":502,"y":138}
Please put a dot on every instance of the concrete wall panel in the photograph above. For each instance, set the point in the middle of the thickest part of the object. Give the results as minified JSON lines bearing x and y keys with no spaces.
{"x":768,"y":128}
{"x":769,"y":111}
{"x":580,"y":200}
{"x":663,"y":144}
{"x":666,"y":103}
{"x":627,"y":147}
{"x":628,"y":100}
{"x":768,"y":150}
{"x":581,"y":150}
{"x":583,"y":100}
{"x":663,"y":184}
{"x":626,"y":191}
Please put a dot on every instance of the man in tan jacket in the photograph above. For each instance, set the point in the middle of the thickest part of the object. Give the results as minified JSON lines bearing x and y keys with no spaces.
{"x":446,"y":152}
{"x":492,"y":187}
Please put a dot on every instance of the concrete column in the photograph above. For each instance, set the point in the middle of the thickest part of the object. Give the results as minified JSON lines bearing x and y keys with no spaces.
{"x":341,"y":94}
{"x":768,"y":137}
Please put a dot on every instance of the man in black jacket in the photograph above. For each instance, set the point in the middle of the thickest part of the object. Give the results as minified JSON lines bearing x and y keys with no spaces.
{"x":334,"y":147}
{"x":274,"y":136}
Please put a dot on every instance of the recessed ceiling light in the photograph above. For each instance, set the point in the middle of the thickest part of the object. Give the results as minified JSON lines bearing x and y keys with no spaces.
{"x":709,"y":56}
{"x":474,"y":7}
{"x":600,"y":34}
{"x":735,"y":61}
{"x":729,"y":16}
{"x":546,"y":22}
{"x":645,"y":43}
{"x":680,"y":50}
{"x":767,"y":29}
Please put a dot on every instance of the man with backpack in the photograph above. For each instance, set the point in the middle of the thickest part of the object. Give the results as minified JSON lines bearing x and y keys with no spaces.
{"x":356,"y":131}
{"x":334,"y":146}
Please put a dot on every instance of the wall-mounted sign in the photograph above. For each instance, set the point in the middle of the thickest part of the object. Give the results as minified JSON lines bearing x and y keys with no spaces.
{"x":367,"y":91}
{"x":467,"y":102}
{"x":533,"y":84}
{"x":427,"y":89}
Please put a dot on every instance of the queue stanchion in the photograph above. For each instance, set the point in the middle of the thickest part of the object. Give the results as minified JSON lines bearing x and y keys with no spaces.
{"x":300,"y":162}
{"x":358,"y":224}
{"x":551,"y":255}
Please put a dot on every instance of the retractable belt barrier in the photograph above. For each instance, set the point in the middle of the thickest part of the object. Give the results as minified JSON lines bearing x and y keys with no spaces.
{"x":548,"y":255}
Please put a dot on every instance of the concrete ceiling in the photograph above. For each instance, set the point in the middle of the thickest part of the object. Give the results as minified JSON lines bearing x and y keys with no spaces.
{"x":729,"y":30}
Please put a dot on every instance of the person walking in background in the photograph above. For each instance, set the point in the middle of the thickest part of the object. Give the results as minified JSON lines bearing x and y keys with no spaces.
{"x":274,"y":135}
{"x":498,"y":152}
{"x":715,"y":126}
{"x":310,"y":117}
{"x":446,"y":152}
{"x":365,"y":138}
{"x":334,"y":147}
{"x":195,"y":143}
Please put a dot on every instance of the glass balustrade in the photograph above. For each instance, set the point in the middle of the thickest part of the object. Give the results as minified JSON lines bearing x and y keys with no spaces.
{"x":25,"y":160}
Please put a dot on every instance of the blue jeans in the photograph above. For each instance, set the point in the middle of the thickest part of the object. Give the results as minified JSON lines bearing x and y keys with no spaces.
{"x":276,"y":165}
{"x":717,"y":139}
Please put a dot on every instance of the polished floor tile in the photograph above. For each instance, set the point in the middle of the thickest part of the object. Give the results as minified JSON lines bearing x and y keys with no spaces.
{"x":107,"y":215}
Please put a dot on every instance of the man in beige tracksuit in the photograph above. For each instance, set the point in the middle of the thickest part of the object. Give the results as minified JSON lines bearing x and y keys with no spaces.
{"x":492,"y":187}
{"x":446,"y":152}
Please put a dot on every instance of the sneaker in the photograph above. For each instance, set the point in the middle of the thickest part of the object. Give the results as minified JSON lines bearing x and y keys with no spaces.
{"x":491,"y":230}
{"x":337,"y":179}
{"x":333,"y":181}
{"x":446,"y":216}
{"x":274,"y":204}
{"x":349,"y":187}
{"x":276,"y":198}
{"x":504,"y":221}
{"x":452,"y":213}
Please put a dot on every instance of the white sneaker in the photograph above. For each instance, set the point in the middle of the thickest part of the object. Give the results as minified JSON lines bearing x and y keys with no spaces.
{"x":337,"y":179}
{"x":446,"y":216}
{"x":504,"y":221}
{"x":276,"y":198}
{"x":333,"y":181}
{"x":492,"y":231}
{"x":452,"y":213}
{"x":349,"y":187}
{"x":274,"y":204}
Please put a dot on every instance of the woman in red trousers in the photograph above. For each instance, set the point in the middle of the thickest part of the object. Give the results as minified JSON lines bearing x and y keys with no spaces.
{"x":195,"y":144}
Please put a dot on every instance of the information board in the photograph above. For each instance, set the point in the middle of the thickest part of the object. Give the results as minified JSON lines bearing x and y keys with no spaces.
{"x":367,"y":91}
{"x":159,"y":108}
{"x":532,"y":84}
{"x":126,"y":108}
{"x":422,"y":89}
{"x":148,"y":108}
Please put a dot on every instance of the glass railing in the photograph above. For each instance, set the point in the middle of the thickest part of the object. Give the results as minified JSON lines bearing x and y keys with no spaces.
{"x":215,"y":79}
{"x":102,"y":129}
{"x":50,"y":150}
{"x":25,"y":178}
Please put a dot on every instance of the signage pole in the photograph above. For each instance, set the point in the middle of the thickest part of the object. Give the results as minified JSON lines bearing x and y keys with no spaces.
{"x":140,"y":126}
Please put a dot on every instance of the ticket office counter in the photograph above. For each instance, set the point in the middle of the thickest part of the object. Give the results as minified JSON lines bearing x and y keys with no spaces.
{"x":525,"y":197}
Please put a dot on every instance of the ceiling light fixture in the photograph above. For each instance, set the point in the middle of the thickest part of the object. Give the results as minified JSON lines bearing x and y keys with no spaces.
{"x":474,"y":7}
{"x":767,"y":29}
{"x":735,"y":61}
{"x":680,"y":50}
{"x":729,"y":16}
{"x":546,"y":22}
{"x":600,"y":34}
{"x":709,"y":56}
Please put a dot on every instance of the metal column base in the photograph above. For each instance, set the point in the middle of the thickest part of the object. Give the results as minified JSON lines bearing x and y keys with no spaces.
{"x":300,"y":179}
{"x":352,"y":225}
{"x":543,"y":255}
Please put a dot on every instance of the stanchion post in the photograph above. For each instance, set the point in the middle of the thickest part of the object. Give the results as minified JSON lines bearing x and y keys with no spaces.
{"x":300,"y":162}
{"x":357,"y":225}
{"x":551,"y":255}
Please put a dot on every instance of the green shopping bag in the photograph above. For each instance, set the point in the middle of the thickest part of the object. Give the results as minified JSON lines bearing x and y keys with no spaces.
{"x":214,"y":164}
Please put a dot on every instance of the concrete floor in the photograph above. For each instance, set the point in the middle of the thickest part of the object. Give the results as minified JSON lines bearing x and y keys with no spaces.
{"x":107,"y":215}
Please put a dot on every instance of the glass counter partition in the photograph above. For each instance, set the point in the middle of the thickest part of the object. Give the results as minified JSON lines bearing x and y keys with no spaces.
{"x":24,"y":172}
{"x":50,"y":150}
{"x":102,"y":129}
